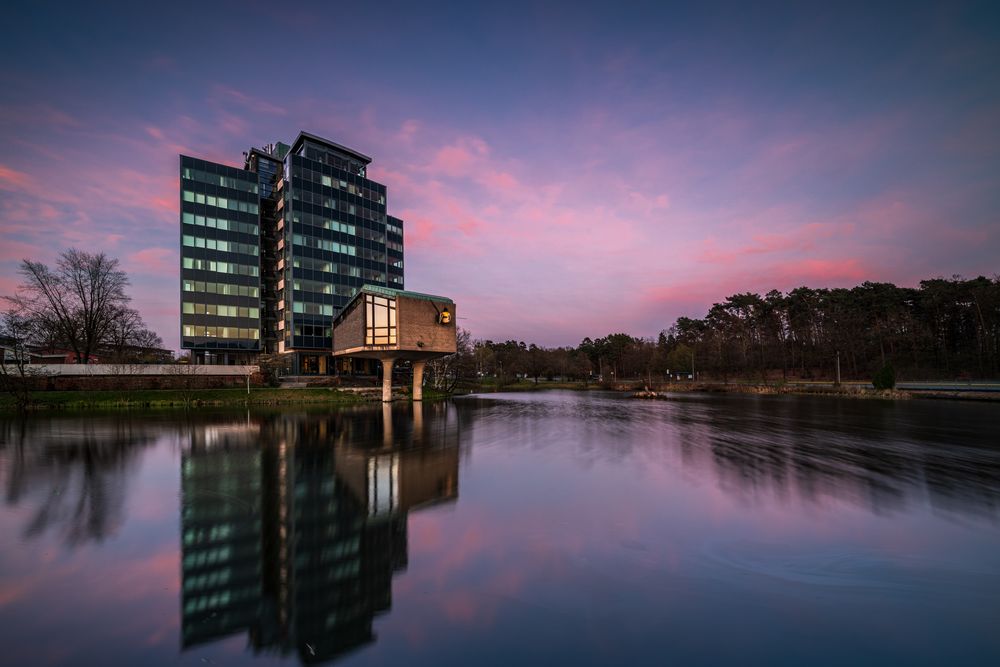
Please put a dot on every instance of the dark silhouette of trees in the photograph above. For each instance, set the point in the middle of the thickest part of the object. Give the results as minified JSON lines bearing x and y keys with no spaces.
{"x":80,"y":304}
{"x":946,"y":328}
{"x":18,"y":377}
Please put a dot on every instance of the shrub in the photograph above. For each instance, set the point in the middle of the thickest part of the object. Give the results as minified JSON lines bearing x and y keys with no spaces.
{"x":885,"y":378}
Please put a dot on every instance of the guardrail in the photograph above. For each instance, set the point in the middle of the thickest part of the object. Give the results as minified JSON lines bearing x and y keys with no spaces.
{"x":130,"y":370}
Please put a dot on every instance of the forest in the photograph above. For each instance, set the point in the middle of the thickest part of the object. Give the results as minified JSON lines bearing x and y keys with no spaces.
{"x":943,"y":329}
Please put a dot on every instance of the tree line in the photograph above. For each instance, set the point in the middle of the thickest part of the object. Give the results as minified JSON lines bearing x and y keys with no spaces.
{"x":945,"y":328}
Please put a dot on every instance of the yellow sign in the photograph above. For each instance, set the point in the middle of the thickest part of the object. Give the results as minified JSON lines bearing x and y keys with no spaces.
{"x":445,"y":317}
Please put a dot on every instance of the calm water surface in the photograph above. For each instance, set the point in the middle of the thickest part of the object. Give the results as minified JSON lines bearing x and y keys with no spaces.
{"x":558,"y":528}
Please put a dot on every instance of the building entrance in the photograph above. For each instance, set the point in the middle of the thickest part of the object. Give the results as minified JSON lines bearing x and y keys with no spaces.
{"x":313,"y":364}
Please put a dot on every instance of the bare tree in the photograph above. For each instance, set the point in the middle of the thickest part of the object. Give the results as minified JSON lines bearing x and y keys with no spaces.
{"x":17,"y":376}
{"x":446,"y":373}
{"x":74,"y":303}
{"x":128,"y":338}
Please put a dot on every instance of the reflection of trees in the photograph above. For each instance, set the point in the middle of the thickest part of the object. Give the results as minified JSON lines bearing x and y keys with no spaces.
{"x":73,"y":474}
{"x":868,"y":455}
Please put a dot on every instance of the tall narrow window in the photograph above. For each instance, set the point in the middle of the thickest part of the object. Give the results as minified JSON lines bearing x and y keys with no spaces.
{"x":380,"y":320}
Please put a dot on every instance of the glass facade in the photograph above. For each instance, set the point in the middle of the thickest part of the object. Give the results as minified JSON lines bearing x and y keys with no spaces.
{"x":334,"y":224}
{"x":272,"y":252}
{"x":220,"y":261}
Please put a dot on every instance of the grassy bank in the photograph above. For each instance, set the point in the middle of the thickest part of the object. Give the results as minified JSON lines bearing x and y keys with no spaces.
{"x":165,"y":398}
{"x":847,"y":390}
{"x":844,"y":391}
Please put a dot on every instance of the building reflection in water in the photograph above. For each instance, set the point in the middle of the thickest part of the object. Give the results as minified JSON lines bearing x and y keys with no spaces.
{"x":294,"y":525}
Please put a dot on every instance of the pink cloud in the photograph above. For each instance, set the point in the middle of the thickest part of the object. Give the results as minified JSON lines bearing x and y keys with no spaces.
{"x":251,"y":103}
{"x":500,"y":180}
{"x":11,"y":179}
{"x":801,"y":238}
{"x":15,"y":251}
{"x":39,"y":115}
{"x":155,"y":261}
{"x":784,"y":276}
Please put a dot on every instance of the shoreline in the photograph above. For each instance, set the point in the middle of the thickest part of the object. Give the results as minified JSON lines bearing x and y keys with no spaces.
{"x":663,"y":391}
{"x":68,"y":401}
{"x":854,"y":392}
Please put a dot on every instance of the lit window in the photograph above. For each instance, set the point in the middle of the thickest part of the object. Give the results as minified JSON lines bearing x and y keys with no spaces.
{"x":380,"y":320}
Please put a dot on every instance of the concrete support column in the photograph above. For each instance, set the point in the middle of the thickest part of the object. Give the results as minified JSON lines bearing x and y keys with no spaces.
{"x":418,"y":380}
{"x":387,"y":379}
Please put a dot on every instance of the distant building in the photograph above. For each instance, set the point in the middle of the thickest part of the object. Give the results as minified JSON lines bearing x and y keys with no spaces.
{"x":271,"y":252}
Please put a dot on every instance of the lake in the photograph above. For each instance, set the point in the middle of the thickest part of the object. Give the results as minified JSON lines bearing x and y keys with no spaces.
{"x":540,"y":528}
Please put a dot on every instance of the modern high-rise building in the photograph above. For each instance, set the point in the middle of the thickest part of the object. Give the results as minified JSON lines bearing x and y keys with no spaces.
{"x":271,"y":252}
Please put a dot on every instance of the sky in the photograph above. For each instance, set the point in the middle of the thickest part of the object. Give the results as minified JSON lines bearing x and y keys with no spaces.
{"x":562,"y":169}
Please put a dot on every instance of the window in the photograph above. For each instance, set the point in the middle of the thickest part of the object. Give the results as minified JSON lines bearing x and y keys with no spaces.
{"x":380,"y":320}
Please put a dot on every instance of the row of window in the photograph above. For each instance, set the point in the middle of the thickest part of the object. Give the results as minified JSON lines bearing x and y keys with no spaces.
{"x":313,"y":286}
{"x":313,"y":330}
{"x":340,"y":184}
{"x":321,"y":154}
{"x":207,"y":557}
{"x":219,"y":600}
{"x":314,"y":264}
{"x":337,"y":226}
{"x":323,"y":244}
{"x":373,"y":255}
{"x":341,"y":548}
{"x":306,"y":308}
{"x":327,"y":267}
{"x":217,"y":179}
{"x":221,"y":332}
{"x":371,"y":235}
{"x":220,"y":310}
{"x":392,"y":245}
{"x":212,"y":579}
{"x":219,"y":223}
{"x":220,"y":288}
{"x":323,"y":223}
{"x":220,"y":202}
{"x":217,"y":244}
{"x":317,"y":199}
{"x":221,"y":267}
{"x":339,"y":290}
{"x":217,"y":532}
{"x":394,"y":229}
